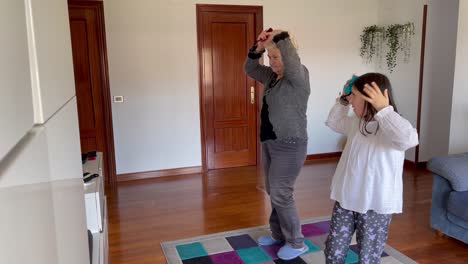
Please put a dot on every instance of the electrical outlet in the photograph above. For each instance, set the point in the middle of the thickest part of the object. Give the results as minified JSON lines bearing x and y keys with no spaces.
{"x":118,"y":99}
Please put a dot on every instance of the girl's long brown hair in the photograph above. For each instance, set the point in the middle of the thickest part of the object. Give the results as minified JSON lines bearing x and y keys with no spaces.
{"x":369,"y":111}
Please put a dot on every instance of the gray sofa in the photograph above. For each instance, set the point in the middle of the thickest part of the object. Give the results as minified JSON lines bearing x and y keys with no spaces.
{"x":449,"y":211}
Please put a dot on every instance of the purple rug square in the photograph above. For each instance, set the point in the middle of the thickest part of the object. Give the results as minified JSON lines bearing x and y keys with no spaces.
{"x":309,"y":230}
{"x":354,"y":248}
{"x":272,"y":250}
{"x":241,"y":242}
{"x":198,"y":260}
{"x":226,"y":258}
{"x":319,"y":240}
{"x":325,"y":225}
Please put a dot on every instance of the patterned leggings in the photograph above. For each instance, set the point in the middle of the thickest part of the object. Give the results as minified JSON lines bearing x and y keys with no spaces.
{"x":371,"y":234}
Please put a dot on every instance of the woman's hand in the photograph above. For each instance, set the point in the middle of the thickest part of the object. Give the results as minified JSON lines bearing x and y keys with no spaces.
{"x":266,"y":37}
{"x":261,"y":40}
{"x":375,"y":97}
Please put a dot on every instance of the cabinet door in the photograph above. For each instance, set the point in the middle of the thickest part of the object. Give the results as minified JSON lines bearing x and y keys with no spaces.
{"x":28,"y":163}
{"x":63,"y":143}
{"x":70,"y":222}
{"x":16,"y":110}
{"x":51,"y":56}
{"x":27,"y":225}
{"x":43,"y":223}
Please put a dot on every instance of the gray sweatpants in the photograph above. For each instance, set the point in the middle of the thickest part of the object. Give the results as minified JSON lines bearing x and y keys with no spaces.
{"x":371,"y":235}
{"x":282,"y":163}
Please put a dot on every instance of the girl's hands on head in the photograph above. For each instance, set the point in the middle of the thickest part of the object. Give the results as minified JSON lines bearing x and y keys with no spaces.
{"x":343,"y":92}
{"x":375,"y":97}
{"x":343,"y":98}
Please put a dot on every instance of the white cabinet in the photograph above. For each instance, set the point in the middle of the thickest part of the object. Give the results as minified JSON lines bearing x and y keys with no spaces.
{"x":70,"y":221}
{"x":27,"y":225}
{"x":94,"y":195}
{"x":28,"y":163}
{"x":42,"y":216}
{"x":101,"y":245}
{"x":96,"y":210}
{"x":50,"y":55}
{"x":63,"y":140}
{"x":16,"y":111}
{"x":43,"y":223}
{"x":49,"y":152}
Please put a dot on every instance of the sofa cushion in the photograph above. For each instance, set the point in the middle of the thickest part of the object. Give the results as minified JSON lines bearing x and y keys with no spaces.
{"x":452,"y":167}
{"x":453,"y":219}
{"x":457,"y":204}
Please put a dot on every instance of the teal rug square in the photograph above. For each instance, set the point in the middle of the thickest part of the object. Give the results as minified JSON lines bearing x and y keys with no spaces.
{"x":352,"y":257}
{"x":192,"y":250}
{"x":253,"y":255}
{"x":312,"y":247}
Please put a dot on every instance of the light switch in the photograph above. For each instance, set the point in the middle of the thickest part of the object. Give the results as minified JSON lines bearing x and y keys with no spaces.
{"x":118,"y":99}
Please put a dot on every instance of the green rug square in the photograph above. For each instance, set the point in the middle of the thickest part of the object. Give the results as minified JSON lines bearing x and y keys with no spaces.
{"x":352,"y":257}
{"x":193,"y":250}
{"x":253,"y":255}
{"x":312,"y":247}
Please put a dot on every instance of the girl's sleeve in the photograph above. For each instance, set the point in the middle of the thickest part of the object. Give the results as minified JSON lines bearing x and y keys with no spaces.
{"x":338,"y":119}
{"x":398,"y":130}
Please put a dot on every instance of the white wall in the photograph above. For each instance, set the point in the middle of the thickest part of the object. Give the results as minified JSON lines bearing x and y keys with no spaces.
{"x":15,"y":85}
{"x":405,"y":77}
{"x":459,"y":120}
{"x":439,"y":67}
{"x":153,"y":63}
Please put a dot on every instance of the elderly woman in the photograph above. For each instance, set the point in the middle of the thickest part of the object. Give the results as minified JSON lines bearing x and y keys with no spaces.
{"x":283,"y":134}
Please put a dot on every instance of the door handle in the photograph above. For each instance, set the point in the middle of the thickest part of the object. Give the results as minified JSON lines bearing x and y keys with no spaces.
{"x":252,"y":95}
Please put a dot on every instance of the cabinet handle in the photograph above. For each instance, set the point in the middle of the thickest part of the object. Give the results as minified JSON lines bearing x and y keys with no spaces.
{"x":252,"y":95}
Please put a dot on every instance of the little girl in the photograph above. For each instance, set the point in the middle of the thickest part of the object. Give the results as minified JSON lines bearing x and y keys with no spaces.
{"x":367,"y":185}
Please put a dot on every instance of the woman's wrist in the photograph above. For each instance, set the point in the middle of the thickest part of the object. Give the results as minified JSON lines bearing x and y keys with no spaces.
{"x":254,"y":53}
{"x":260,"y":50}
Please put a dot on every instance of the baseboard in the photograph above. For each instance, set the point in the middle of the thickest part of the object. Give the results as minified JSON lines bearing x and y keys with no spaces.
{"x":324,"y":156}
{"x":421,"y":165}
{"x":157,"y":173}
{"x":198,"y":169}
{"x":417,"y":165}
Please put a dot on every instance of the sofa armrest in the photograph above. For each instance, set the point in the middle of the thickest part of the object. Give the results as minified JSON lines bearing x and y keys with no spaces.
{"x":454,"y":168}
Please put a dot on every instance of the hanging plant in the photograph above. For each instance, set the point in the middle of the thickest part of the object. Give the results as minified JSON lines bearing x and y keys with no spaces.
{"x":408,"y":32}
{"x":393,"y":43}
{"x":371,"y":42}
{"x":398,"y":38}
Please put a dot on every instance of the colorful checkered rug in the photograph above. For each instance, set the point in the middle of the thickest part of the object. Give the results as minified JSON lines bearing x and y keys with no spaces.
{"x":240,"y":247}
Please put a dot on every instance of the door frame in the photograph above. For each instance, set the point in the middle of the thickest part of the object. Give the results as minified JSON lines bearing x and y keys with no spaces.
{"x":420,"y":87}
{"x":110,"y":179}
{"x":258,"y":14}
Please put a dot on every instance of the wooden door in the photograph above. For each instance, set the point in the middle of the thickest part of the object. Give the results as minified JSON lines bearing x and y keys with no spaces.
{"x":92,"y":89}
{"x":228,"y":97}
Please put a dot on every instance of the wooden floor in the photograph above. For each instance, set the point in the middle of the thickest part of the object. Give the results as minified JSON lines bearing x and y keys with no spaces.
{"x":144,"y":213}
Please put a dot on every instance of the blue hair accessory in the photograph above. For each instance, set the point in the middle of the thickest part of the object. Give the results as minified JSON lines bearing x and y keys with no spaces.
{"x":349,"y":88}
